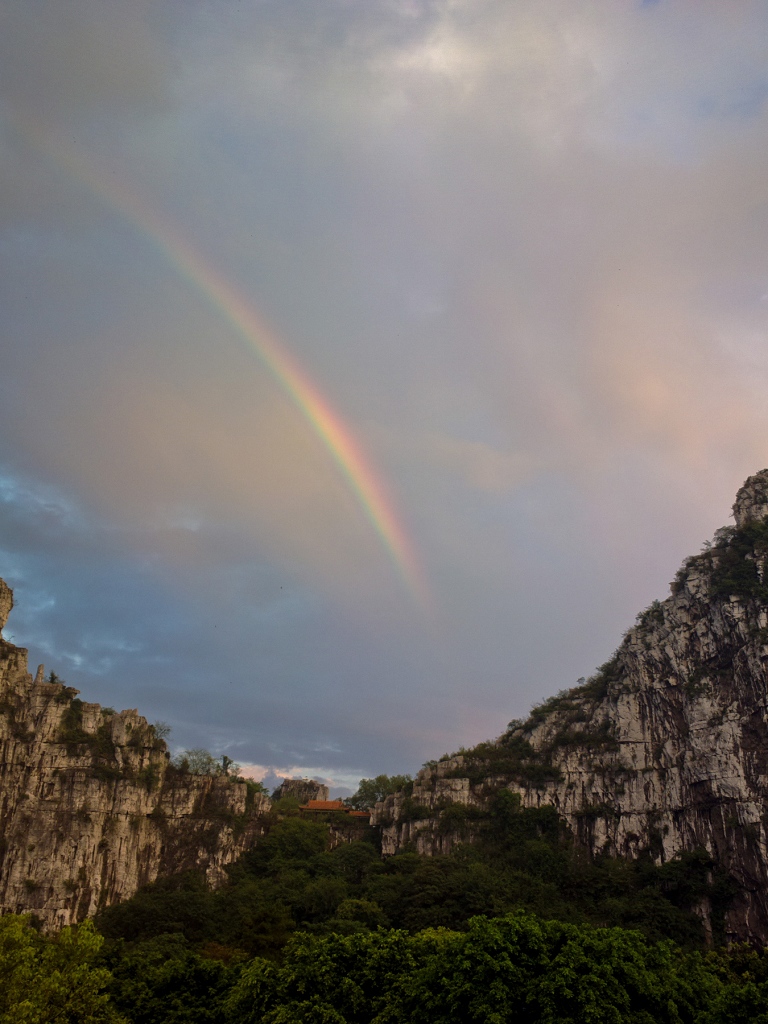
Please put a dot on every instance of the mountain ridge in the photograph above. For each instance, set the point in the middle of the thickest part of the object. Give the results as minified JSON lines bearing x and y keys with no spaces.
{"x":664,"y":750}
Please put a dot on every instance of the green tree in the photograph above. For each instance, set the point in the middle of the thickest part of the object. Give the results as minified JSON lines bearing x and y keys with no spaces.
{"x":369,"y":791}
{"x":739,"y":1003}
{"x":229,"y":767}
{"x":515,"y":968}
{"x":163,"y":981}
{"x":181,"y":904}
{"x":289,"y":841}
{"x":518,"y":967}
{"x":332,"y":980}
{"x":196,"y":761}
{"x":52,"y":981}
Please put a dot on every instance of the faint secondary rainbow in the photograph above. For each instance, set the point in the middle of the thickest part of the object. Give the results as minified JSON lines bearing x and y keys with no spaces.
{"x":237,"y":311}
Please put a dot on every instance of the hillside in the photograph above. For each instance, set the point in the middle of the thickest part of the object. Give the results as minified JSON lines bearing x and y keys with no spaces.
{"x":663,"y":753}
{"x":664,"y":750}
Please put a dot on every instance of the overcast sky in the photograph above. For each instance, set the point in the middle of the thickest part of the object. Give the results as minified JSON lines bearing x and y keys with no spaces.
{"x":520,"y":251}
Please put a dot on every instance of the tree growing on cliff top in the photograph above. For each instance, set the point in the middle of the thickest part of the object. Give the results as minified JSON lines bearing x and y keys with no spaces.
{"x":198,"y":761}
{"x":372,"y":790}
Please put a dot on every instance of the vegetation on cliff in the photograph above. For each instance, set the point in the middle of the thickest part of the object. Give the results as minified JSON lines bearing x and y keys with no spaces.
{"x":370,"y":791}
{"x":518,"y":926}
{"x":522,"y":858}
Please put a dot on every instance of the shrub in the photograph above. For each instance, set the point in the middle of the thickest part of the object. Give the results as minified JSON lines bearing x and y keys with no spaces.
{"x":412,"y":811}
{"x":653,"y":615}
{"x":735,"y":571}
{"x":71,"y":731}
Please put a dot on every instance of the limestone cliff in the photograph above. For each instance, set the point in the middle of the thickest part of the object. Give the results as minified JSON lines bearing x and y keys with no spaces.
{"x":90,"y":806}
{"x":664,"y":750}
{"x":302,"y":790}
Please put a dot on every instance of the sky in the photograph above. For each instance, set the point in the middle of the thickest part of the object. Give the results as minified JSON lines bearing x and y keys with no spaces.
{"x":366,"y":367}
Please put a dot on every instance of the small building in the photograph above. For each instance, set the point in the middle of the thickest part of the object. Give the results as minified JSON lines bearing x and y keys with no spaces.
{"x":322,"y":806}
{"x":313,"y":807}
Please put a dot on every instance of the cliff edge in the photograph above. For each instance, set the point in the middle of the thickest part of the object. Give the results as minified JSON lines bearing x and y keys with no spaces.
{"x":91,"y":807}
{"x":664,"y":750}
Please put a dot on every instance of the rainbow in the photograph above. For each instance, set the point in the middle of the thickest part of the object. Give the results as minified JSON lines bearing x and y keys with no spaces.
{"x":326,"y":423}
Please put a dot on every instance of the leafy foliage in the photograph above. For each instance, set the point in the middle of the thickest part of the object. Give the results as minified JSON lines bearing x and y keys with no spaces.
{"x":735,"y":562}
{"x":512,"y":968}
{"x":72,"y":731}
{"x":599,"y":738}
{"x":652,"y":615}
{"x":520,"y":858}
{"x":43,"y":981}
{"x":164,"y":980}
{"x":517,"y":926}
{"x":370,"y":791}
{"x":731,"y":562}
{"x":512,"y":757}
{"x":198,"y":761}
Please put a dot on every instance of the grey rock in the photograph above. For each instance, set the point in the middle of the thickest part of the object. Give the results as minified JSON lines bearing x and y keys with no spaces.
{"x":752,"y":499}
{"x":6,"y":603}
{"x":91,"y":808}
{"x":663,"y":751}
{"x":302,"y":790}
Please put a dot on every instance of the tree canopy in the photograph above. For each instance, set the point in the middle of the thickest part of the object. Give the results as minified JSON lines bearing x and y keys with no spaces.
{"x":369,"y":791}
{"x":47,"y":980}
{"x":517,"y":926}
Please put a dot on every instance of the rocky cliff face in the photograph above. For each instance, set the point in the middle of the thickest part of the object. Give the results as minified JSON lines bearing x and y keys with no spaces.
{"x":302,"y":790}
{"x":664,"y":750}
{"x":90,"y":806}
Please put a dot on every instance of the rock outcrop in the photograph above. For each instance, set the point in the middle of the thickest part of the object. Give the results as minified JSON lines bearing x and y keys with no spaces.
{"x":6,"y":603}
{"x":664,"y":750}
{"x":91,"y":807}
{"x":302,"y":790}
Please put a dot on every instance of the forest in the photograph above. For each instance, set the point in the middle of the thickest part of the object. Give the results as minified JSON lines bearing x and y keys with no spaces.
{"x":517,"y":926}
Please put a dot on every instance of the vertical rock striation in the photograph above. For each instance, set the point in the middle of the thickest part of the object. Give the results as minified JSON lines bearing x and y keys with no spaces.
{"x":664,"y":750}
{"x":90,"y":806}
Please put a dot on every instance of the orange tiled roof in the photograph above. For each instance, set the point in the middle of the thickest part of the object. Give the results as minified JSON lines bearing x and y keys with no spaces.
{"x":333,"y":805}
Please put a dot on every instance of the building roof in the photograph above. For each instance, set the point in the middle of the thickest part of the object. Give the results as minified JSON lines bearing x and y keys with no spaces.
{"x":320,"y":806}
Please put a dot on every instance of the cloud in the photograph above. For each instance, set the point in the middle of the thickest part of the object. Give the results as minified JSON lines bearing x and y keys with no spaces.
{"x":340,"y":785}
{"x":481,"y":466}
{"x":521,"y":246}
{"x":85,"y":57}
{"x":477,"y":465}
{"x":90,"y":69}
{"x":164,"y":445}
